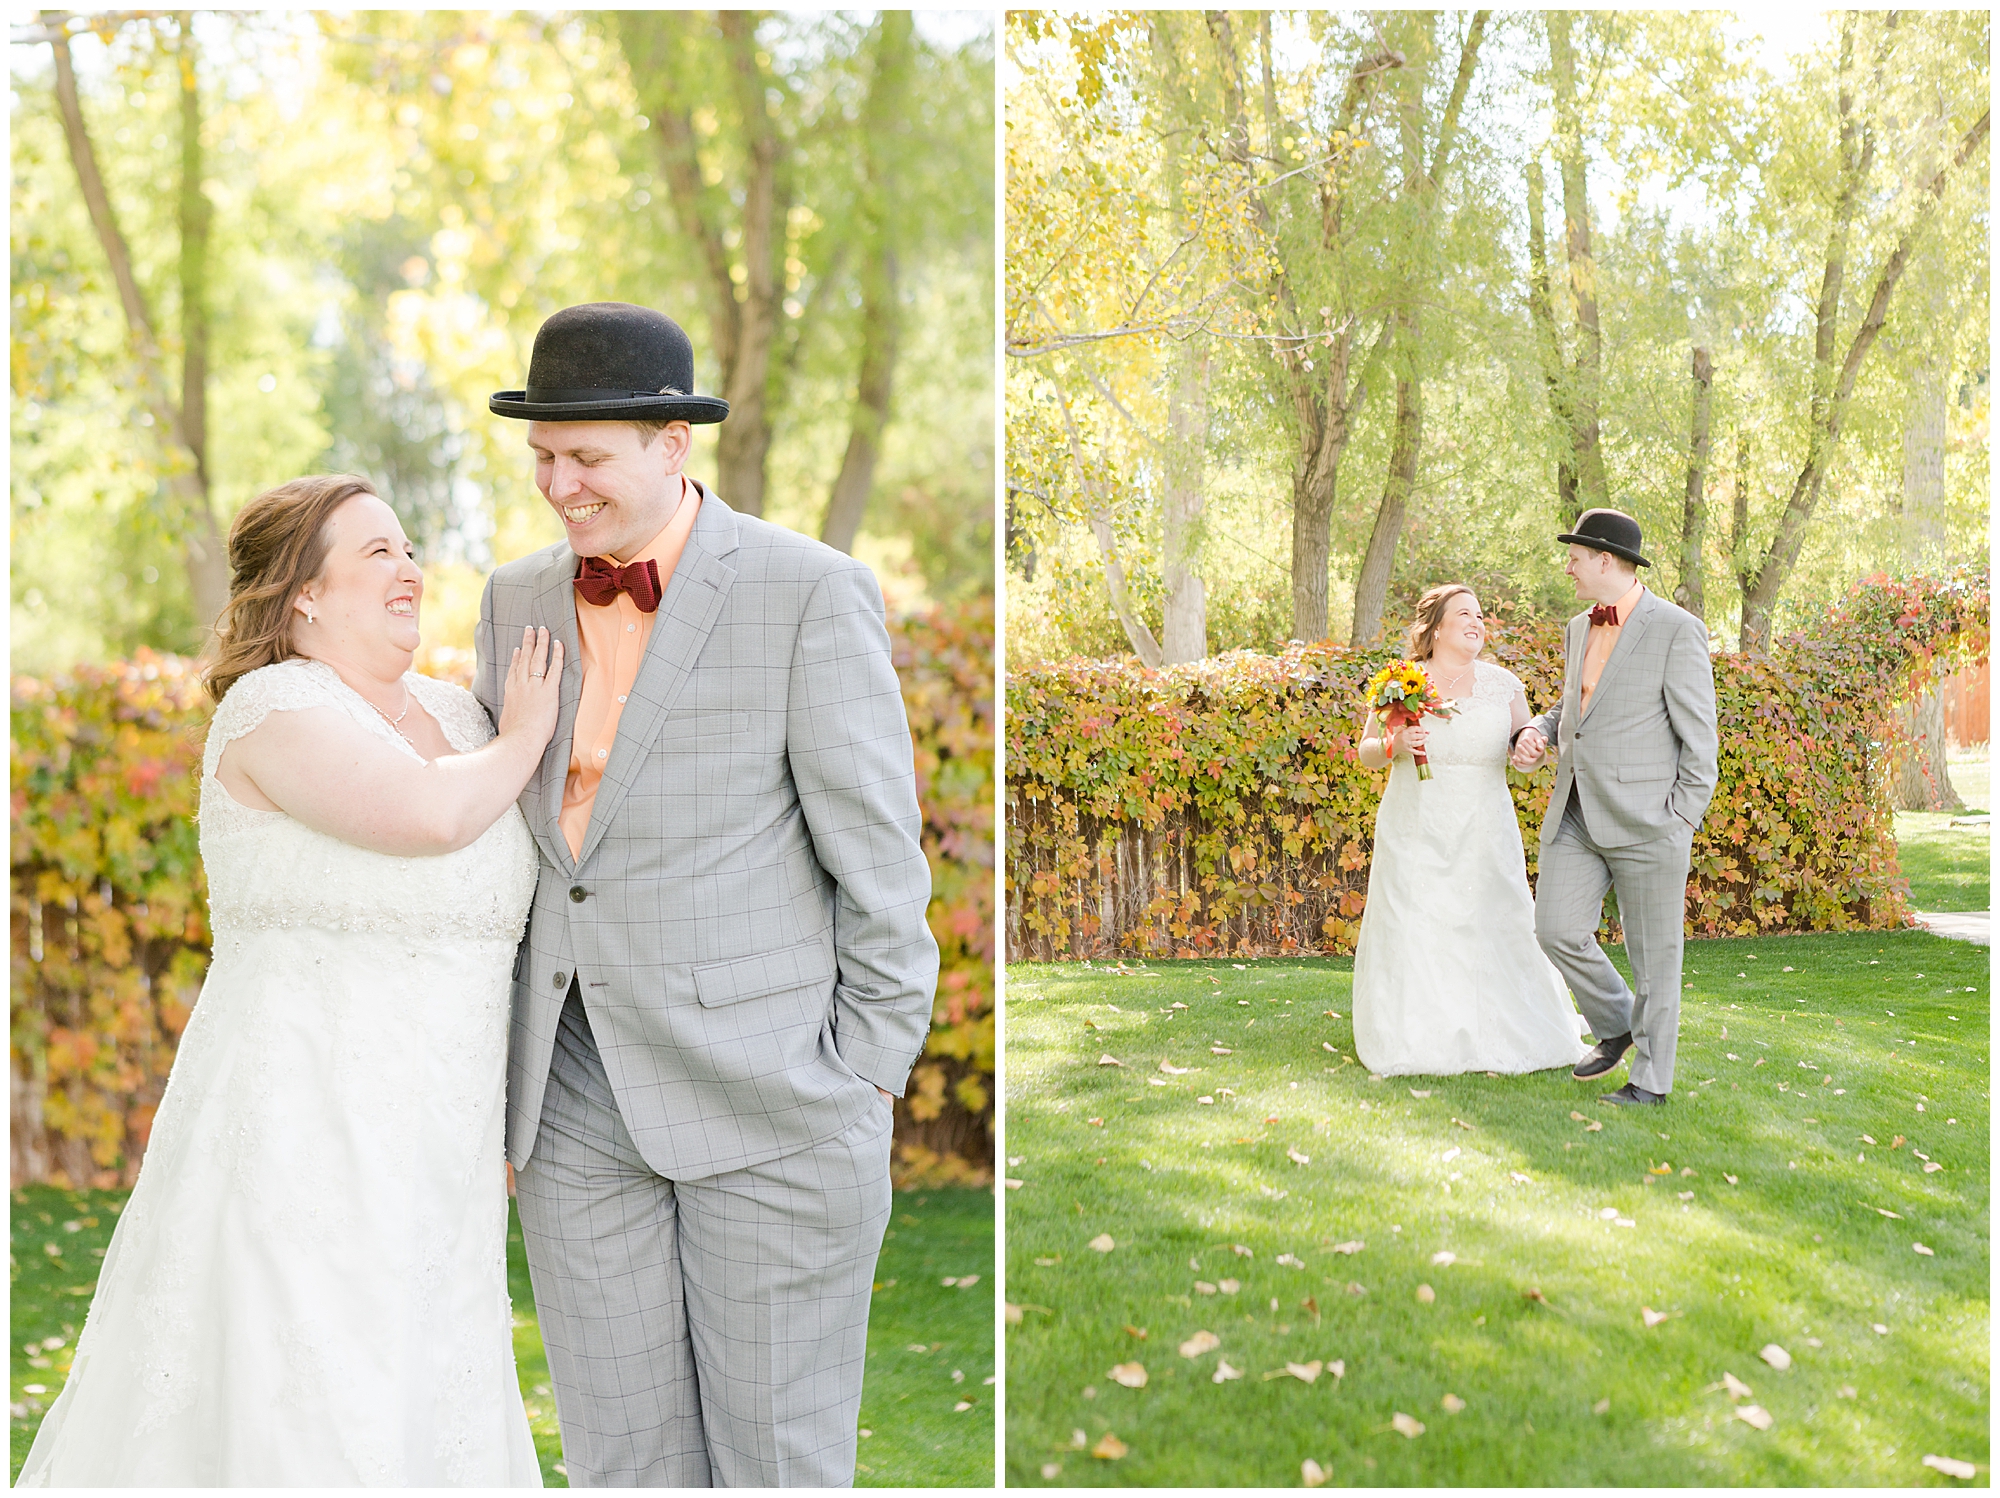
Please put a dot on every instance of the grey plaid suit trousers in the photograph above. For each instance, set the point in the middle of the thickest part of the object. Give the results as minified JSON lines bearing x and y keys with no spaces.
{"x":706,"y":1001}
{"x":1634,"y":773}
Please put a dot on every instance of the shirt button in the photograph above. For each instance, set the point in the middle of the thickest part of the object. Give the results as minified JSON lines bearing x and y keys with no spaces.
{"x":601,"y":753}
{"x":631,"y":629}
{"x":621,"y":696}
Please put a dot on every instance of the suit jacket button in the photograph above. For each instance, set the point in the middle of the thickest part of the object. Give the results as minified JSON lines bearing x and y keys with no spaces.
{"x":576,"y":893}
{"x":561,"y":979}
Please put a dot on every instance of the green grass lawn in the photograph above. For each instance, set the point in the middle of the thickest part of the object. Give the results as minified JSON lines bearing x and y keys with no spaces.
{"x":1949,"y":868}
{"x":920,"y":1438}
{"x":1471,"y":1256}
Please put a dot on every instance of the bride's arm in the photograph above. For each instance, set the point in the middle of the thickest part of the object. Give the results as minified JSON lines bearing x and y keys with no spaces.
{"x":320,"y":767}
{"x":1521,"y":719}
{"x":1373,"y":752}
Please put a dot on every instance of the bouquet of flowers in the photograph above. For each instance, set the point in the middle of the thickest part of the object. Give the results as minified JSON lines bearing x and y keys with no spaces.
{"x":1402,"y":694}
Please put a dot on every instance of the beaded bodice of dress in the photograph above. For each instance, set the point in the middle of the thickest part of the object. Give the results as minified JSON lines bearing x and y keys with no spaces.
{"x":1477,"y":735}
{"x":266,"y":870}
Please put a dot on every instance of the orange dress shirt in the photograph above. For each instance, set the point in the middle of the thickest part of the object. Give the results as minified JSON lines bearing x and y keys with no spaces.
{"x":1603,"y":640}
{"x":613,"y":640}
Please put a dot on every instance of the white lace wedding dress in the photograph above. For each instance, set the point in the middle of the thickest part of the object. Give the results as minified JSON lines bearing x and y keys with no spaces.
{"x":1447,"y":974}
{"x":308,"y":1286}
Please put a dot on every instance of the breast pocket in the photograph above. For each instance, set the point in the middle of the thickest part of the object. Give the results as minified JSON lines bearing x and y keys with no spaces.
{"x":709,"y":726}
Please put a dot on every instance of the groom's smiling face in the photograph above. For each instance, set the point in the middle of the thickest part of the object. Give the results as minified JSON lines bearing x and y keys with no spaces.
{"x":612,"y":489}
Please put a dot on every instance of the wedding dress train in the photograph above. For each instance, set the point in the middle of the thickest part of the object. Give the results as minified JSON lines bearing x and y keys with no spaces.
{"x":308,"y":1286}
{"x":1447,"y":974}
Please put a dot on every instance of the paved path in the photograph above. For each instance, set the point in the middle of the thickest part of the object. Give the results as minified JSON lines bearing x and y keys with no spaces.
{"x":1975,"y":926}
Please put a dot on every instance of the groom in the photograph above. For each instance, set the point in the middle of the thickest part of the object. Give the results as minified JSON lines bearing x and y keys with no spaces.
{"x":727,"y":972}
{"x":1635,"y":766}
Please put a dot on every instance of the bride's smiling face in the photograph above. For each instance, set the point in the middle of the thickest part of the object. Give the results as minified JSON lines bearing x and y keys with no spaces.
{"x":1462,"y":630}
{"x":366,"y":600}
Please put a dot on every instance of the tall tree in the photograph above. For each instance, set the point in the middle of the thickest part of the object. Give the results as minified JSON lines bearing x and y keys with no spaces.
{"x":883,"y":119}
{"x":1694,"y":500}
{"x":179,"y":418}
{"x":1421,"y":183}
{"x":1862,"y":110}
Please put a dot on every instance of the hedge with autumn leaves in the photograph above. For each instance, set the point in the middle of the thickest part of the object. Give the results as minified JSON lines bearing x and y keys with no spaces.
{"x":110,"y":921}
{"x":1220,"y":808}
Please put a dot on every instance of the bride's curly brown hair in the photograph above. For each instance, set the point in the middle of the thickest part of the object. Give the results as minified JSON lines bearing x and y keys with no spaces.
{"x":277,"y":544}
{"x":1430,"y":614}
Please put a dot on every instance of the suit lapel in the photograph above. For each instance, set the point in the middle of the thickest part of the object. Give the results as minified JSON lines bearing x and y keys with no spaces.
{"x":555,"y":608}
{"x":687,"y":614}
{"x":1628,"y":635}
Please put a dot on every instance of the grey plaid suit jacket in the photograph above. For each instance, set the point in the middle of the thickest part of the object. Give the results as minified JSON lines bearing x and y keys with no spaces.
{"x":1643,"y":752}
{"x":746,"y":923}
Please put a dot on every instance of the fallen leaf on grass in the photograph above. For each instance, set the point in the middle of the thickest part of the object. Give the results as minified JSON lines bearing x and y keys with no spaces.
{"x":1310,"y":1305}
{"x":1515,"y":1175}
{"x":1107,"y":1059}
{"x":1897,"y":1143}
{"x":1204,"y":1100}
{"x":1452,"y":1403}
{"x":1444,"y":1256}
{"x":1729,"y":1178}
{"x":1296,"y":1158}
{"x":1926,"y":1252}
{"x":1878,"y":1328}
{"x":1103,"y":1243}
{"x":1223,"y":1372}
{"x":1014,"y":1314}
{"x":961,"y":1407}
{"x":1220,"y":1050}
{"x":1847,"y":1391}
{"x":1200,"y":1343}
{"x":1733,"y":1386}
{"x":1592,"y":1126}
{"x":1051,"y":1470}
{"x":1109,"y":1449}
{"x":1931,"y":1165}
{"x":1242,"y":1251}
{"x":1406,"y":1425}
{"x":1535,"y":1295}
{"x":1461,"y":1123}
{"x":1951,"y":1466}
{"x":1291,"y":1261}
{"x":1354,"y":1289}
{"x":1229,"y":1287}
{"x":1887,"y":1213}
{"x":1312,"y":1473}
{"x":1353,"y":1247}
{"x":1174,"y":1071}
{"x":1602,"y":1407}
{"x":1415,"y":1093}
{"x":1652,"y":1317}
{"x":1775,"y":1355}
{"x":1664,"y":1168}
{"x":1754,"y":1415}
{"x":1203,"y":1287}
{"x":1338,"y":1368}
{"x":1426,"y":1294}
{"x":1047,"y":1263}
{"x":1131,"y":1375}
{"x":1451,"y":1154}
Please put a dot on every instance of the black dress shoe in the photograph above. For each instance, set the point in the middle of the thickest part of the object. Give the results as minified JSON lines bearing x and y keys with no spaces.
{"x":1602,"y":1058}
{"x":1630,"y":1096}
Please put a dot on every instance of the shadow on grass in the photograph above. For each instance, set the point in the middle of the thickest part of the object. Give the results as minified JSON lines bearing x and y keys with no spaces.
{"x":1794,"y":1256}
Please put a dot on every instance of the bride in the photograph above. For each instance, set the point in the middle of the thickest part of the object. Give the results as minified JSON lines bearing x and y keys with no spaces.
{"x":1448,"y":976}
{"x":308,"y":1286}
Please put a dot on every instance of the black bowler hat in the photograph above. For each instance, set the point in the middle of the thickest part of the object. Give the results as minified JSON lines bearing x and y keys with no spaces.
{"x":1609,"y":530}
{"x":610,"y":361}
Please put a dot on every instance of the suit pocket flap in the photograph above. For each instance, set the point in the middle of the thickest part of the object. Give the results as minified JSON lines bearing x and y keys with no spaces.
{"x":705,"y":725}
{"x":1646,"y":772}
{"x":739,"y":978}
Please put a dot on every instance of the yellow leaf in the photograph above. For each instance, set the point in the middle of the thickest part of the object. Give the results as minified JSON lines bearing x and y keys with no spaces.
{"x":1109,"y":1449}
{"x":1203,"y":1287}
{"x":1223,"y":1372}
{"x":1103,"y":1243}
{"x":1452,"y":1404}
{"x":1013,"y":1314}
{"x":1406,"y":1425}
{"x":1426,"y":1294}
{"x":1314,"y":1475}
{"x":1200,"y":1343}
{"x":1229,"y":1287}
{"x":1131,"y":1375}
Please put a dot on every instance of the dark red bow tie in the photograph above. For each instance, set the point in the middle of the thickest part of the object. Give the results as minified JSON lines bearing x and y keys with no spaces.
{"x":1602,"y":613}
{"x":600,"y":581}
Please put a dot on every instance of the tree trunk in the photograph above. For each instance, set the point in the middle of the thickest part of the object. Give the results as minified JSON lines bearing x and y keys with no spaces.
{"x":1739,"y":530}
{"x":881,"y":319}
{"x":1783,"y":553}
{"x":1371,"y":590}
{"x":1143,"y":644}
{"x":1541,"y":308}
{"x":1923,"y":777}
{"x":1694,"y":503}
{"x":1587,"y":373}
{"x":1184,"y":631}
{"x":179,"y":429}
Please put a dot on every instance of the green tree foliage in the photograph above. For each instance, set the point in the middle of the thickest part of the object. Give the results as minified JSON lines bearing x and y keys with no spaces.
{"x":1707,"y":162}
{"x":395,"y":202}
